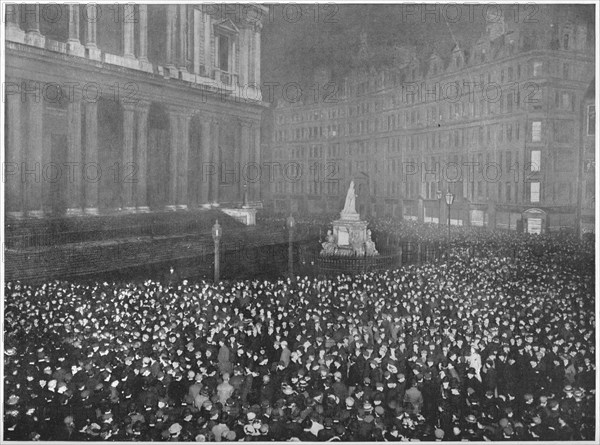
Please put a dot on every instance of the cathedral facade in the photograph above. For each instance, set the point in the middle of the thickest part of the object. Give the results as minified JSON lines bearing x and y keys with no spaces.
{"x":130,"y":108}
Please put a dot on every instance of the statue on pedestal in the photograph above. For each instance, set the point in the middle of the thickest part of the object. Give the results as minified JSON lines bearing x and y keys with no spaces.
{"x":349,"y":210}
{"x":349,"y":237}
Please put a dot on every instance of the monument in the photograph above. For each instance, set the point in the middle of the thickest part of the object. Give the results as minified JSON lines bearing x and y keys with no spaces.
{"x":350,"y":236}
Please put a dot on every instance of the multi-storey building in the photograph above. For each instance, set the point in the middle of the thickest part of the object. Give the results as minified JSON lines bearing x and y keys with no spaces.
{"x":496,"y":123}
{"x":130,"y":107}
{"x":587,"y":167}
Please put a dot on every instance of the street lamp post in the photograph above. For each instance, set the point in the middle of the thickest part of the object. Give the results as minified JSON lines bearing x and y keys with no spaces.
{"x":291,"y":224}
{"x":449,"y":201}
{"x":216,"y":234}
{"x":439,"y":195}
{"x":245,"y":199}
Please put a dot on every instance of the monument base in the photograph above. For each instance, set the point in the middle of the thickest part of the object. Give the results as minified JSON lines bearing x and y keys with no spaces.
{"x":351,"y":236}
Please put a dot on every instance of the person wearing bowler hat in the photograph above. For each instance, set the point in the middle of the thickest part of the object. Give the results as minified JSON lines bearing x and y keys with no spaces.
{"x":146,"y":361}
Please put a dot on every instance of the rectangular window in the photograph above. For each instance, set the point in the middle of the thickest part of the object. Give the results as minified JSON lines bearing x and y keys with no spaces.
{"x":536,"y":160}
{"x":536,"y":131}
{"x":566,"y":101}
{"x":534,"y":192}
{"x":223,"y":43}
{"x":537,"y":69}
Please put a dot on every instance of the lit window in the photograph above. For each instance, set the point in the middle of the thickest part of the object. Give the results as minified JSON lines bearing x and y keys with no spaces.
{"x":537,"y":68}
{"x":534,"y":195}
{"x":536,"y":160}
{"x":536,"y":131}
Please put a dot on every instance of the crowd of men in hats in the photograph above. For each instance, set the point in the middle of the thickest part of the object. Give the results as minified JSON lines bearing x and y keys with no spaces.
{"x":473,"y":348}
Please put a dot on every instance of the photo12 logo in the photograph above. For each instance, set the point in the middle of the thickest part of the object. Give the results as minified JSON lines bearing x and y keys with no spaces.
{"x":68,"y":92}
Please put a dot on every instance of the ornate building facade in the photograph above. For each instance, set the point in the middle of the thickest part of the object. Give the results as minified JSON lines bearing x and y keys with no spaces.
{"x":124,"y":108}
{"x":587,"y":191}
{"x":495,"y":122}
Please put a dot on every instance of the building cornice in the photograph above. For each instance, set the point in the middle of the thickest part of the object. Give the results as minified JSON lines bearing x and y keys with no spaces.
{"x":42,"y":65}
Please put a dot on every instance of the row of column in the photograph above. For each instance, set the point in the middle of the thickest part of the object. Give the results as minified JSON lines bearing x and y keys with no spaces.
{"x":28,"y":174}
{"x":177,"y":27}
{"x":176,"y":36}
{"x":33,"y":35}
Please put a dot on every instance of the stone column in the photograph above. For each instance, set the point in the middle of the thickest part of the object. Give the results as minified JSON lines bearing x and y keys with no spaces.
{"x":74,"y":158}
{"x":129,"y":30}
{"x":141,"y":195}
{"x":33,"y":162}
{"x":143,"y":38}
{"x":182,"y":159}
{"x":244,"y":147}
{"x":143,"y":32}
{"x":13,"y":29}
{"x":33,"y":35}
{"x":237,"y":160}
{"x":234,"y":67}
{"x":257,"y":31}
{"x":208,"y":35}
{"x":74,"y":46}
{"x":182,"y":41}
{"x":215,"y":159}
{"x":14,"y":157}
{"x":128,"y":168}
{"x":243,"y":63}
{"x":171,"y":36}
{"x":205,"y":160}
{"x":174,"y":121}
{"x":196,"y":22}
{"x":256,"y":158}
{"x":245,"y":171}
{"x":91,"y":16}
{"x":91,"y":170}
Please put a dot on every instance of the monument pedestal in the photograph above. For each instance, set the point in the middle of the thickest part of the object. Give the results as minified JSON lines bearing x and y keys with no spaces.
{"x":351,"y":236}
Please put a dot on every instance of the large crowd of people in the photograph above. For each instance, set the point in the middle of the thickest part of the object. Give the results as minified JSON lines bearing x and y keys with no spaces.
{"x":476,"y":347}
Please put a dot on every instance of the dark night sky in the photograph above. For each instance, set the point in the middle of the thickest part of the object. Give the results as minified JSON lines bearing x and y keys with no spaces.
{"x":294,"y":43}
